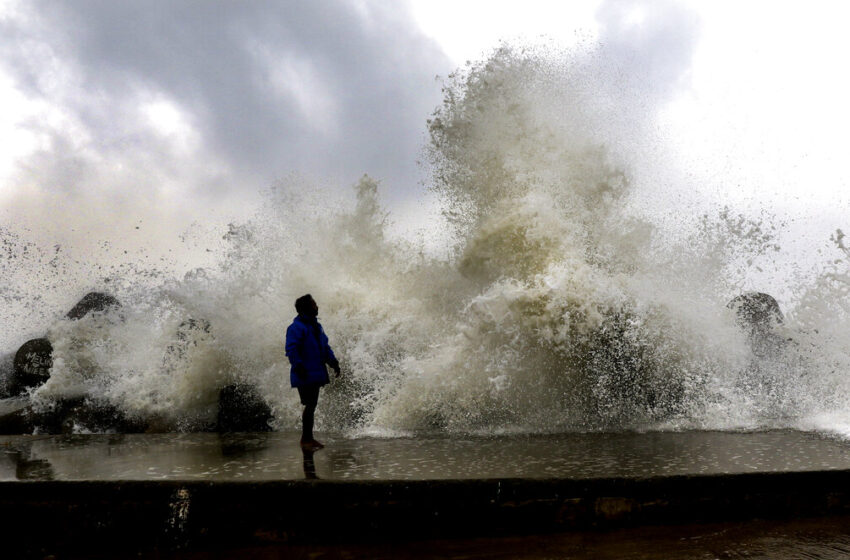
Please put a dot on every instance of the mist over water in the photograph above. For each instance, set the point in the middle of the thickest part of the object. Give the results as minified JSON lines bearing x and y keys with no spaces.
{"x":548,"y":298}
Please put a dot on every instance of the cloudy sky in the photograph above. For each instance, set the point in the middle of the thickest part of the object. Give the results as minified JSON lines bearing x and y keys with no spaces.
{"x":164,"y":113}
{"x":129,"y":111}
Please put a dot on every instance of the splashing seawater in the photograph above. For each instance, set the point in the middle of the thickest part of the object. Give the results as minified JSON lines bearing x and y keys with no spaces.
{"x":557,"y":306}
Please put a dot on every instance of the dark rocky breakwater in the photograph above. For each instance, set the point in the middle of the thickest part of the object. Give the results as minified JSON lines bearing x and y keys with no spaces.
{"x":241,"y":408}
{"x":34,"y":359}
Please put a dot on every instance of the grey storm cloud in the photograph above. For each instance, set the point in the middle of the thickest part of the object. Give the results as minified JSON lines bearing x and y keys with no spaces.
{"x":330,"y":88}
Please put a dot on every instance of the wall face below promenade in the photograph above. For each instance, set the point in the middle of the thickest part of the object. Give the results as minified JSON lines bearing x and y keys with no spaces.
{"x":45,"y":510}
{"x":145,"y":515}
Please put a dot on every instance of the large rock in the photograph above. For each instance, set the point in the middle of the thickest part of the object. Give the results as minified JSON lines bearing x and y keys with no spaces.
{"x":32,"y":362}
{"x":242,"y":409}
{"x":93,"y":302}
{"x":31,"y":366}
{"x":759,"y":315}
{"x":756,"y":311}
{"x":89,"y":415}
{"x":66,"y":416}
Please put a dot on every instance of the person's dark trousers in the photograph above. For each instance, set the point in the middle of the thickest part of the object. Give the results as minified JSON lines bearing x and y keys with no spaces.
{"x":309,"y":398}
{"x":307,"y":422}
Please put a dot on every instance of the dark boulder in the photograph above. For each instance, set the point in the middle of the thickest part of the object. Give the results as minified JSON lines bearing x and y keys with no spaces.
{"x":89,"y":415}
{"x":93,"y":302}
{"x":756,"y":310}
{"x":758,"y":314}
{"x":31,"y":366}
{"x":242,"y":409}
{"x":67,"y":416}
{"x":32,"y":362}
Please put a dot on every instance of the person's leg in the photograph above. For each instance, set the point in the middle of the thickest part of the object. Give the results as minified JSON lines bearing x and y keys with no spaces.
{"x":309,"y":398}
{"x":307,"y":423}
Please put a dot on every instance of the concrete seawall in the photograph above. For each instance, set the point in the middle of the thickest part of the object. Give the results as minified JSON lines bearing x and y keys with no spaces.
{"x":107,"y":494}
{"x":142,"y":515}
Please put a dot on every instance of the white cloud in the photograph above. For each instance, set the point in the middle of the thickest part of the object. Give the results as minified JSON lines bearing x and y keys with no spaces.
{"x":15,"y":140}
{"x":468,"y":30}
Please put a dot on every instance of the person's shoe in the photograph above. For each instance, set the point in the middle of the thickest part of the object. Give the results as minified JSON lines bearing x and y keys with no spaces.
{"x":311,"y":445}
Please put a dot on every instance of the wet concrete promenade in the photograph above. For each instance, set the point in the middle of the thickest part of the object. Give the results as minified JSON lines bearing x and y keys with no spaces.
{"x":277,"y":456}
{"x":103,"y":494}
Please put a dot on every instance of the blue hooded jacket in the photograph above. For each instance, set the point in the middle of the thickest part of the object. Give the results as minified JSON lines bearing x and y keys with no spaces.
{"x":304,"y":347}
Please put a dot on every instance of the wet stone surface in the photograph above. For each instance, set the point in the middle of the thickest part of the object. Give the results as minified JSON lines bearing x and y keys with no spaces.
{"x":277,"y":456}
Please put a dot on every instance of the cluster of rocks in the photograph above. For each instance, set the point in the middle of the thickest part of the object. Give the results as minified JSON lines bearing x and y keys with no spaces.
{"x":34,"y":359}
{"x":241,"y":407}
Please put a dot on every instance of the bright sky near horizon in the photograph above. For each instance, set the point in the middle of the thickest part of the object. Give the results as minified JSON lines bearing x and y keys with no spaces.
{"x":760,"y":122}
{"x":767,"y":98}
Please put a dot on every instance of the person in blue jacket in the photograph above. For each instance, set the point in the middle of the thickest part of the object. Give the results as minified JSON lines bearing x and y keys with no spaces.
{"x":308,"y":351}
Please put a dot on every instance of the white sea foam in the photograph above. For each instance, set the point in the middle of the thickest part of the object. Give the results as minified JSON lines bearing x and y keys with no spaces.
{"x":559,"y":303}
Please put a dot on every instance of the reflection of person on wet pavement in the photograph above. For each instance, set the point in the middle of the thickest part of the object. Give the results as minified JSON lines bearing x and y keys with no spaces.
{"x":308,"y":351}
{"x":309,"y":463}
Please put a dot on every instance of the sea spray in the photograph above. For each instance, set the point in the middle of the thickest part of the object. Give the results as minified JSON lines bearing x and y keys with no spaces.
{"x":560,"y":305}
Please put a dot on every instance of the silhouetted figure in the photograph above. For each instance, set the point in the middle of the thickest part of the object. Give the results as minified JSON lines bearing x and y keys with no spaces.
{"x":308,"y":351}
